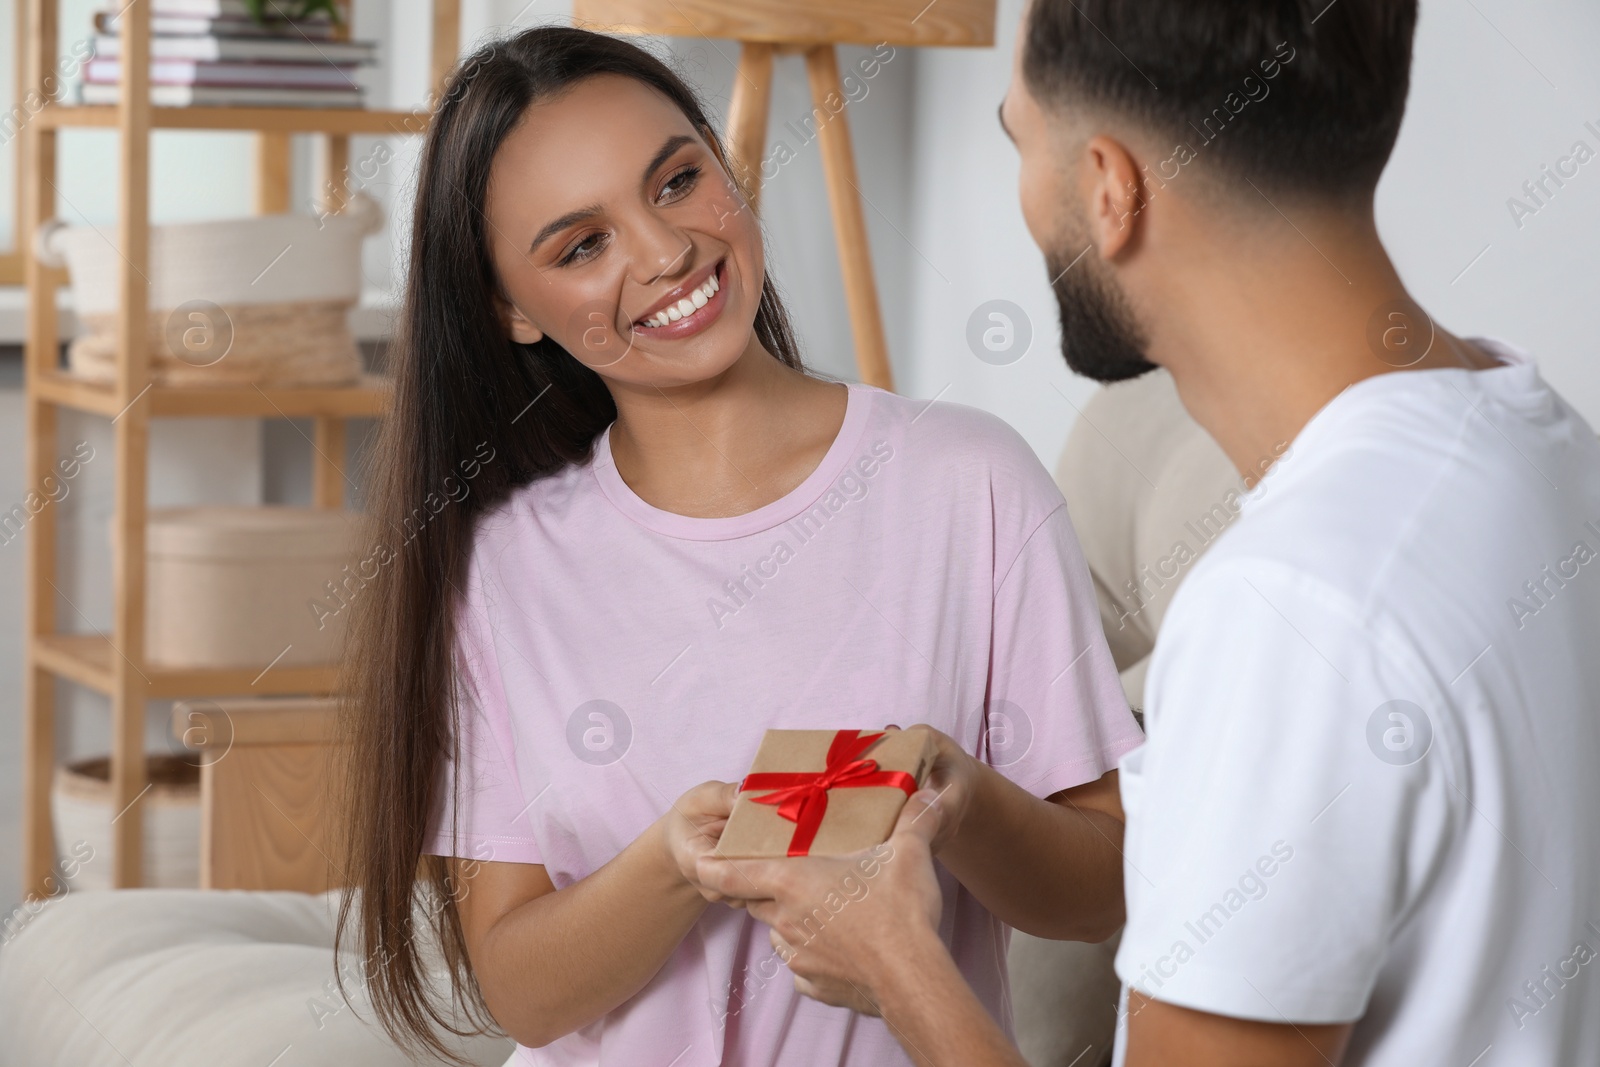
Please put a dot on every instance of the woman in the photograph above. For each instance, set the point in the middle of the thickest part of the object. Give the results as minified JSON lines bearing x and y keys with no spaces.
{"x":634,"y":534}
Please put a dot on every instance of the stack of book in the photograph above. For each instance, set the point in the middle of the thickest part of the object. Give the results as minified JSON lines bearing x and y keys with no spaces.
{"x":213,"y":53}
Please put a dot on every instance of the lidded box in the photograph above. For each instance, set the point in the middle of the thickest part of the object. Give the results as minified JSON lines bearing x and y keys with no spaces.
{"x":249,"y":586}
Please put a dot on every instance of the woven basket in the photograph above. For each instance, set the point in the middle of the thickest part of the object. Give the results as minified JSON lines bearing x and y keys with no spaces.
{"x":302,"y":344}
{"x":82,"y":811}
{"x":262,"y":300}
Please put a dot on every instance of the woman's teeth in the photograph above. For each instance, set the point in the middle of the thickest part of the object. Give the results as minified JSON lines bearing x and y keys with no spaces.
{"x":687,"y":306}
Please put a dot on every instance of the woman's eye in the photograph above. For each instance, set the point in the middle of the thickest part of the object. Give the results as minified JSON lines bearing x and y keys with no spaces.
{"x":680,"y":183}
{"x":584,"y":249}
{"x":676,"y":188}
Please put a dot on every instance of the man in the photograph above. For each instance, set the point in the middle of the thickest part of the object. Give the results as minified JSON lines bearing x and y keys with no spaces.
{"x":1363,"y":827}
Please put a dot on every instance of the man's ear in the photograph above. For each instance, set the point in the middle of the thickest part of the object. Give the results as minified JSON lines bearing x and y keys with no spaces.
{"x":1115,"y":195}
{"x":517,"y":326}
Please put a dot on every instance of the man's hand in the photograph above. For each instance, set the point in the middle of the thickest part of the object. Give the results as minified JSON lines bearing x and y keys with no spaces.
{"x":844,"y":924}
{"x":1051,"y":868}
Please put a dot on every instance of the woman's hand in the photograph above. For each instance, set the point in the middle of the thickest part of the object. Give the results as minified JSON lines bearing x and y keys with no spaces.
{"x":955,"y":778}
{"x":694,"y":825}
{"x":549,"y":962}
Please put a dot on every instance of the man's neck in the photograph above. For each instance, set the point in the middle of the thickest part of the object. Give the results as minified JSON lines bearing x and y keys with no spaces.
{"x":1259,"y":340}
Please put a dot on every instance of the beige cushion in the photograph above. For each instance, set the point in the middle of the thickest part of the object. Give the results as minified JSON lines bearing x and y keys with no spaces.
{"x":190,"y":978}
{"x":1140,"y":477}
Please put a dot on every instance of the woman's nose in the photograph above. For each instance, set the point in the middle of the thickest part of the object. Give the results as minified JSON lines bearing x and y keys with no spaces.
{"x":662,"y":250}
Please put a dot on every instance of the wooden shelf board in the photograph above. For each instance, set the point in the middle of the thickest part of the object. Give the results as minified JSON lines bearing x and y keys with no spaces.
{"x":90,"y":660}
{"x":221,"y":724}
{"x":368,"y":398}
{"x":279,"y":119}
{"x":66,"y":391}
{"x":81,"y":658}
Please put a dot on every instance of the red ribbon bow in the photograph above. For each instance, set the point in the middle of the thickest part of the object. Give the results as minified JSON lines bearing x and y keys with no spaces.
{"x":802,"y":796}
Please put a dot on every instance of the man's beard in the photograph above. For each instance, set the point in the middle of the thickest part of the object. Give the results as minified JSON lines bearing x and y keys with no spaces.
{"x":1100,"y":338}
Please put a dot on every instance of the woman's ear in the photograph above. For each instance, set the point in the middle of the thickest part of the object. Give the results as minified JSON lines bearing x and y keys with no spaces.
{"x":517,"y":326}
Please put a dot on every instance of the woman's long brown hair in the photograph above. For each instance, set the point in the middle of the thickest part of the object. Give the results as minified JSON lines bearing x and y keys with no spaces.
{"x":460,"y":387}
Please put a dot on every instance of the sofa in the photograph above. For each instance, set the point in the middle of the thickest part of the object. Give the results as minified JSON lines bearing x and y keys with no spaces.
{"x":242,"y":971}
{"x":191,"y":978}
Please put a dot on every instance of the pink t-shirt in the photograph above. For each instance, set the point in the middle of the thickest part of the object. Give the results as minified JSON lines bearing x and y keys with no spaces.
{"x":615,"y":655}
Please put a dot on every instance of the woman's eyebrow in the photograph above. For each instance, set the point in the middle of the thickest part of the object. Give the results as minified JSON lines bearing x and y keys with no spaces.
{"x":571,"y":217}
{"x":669,"y":146}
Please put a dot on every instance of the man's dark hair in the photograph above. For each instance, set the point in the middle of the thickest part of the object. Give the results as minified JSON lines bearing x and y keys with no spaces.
{"x":1301,"y":96}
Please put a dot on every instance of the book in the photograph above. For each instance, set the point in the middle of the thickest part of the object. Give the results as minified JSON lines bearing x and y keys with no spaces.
{"x":316,"y":29}
{"x":213,"y":49}
{"x":223,"y":8}
{"x":189,"y":72}
{"x":226,"y":96}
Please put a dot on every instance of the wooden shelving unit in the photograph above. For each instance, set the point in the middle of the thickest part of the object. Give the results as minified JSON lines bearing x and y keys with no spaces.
{"x":114,"y":663}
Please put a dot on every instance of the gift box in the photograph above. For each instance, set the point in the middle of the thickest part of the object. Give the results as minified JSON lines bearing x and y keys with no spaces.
{"x":825,"y":792}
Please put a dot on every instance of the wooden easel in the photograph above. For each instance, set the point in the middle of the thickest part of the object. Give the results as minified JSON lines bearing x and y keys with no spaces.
{"x":765,"y":28}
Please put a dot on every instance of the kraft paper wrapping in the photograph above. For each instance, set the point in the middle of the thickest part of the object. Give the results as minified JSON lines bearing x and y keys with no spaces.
{"x":857,"y":816}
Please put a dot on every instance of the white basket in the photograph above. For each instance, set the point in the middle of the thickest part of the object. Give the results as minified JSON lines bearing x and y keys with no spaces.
{"x":261,"y":259}
{"x":81,"y":808}
{"x":259,"y":301}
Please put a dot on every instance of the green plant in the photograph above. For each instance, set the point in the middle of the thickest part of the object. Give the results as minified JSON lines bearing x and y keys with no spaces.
{"x":292,"y":9}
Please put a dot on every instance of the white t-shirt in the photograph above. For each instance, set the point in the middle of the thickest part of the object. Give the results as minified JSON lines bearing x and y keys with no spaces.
{"x":1371,"y":786}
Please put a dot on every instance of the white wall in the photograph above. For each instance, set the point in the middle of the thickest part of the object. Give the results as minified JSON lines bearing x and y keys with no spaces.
{"x":974,"y":248}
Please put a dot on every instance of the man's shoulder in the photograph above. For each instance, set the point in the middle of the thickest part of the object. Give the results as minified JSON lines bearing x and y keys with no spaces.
{"x":1340,"y":551}
{"x":1335,"y":525}
{"x":1422,"y":486}
{"x":1403,"y":529}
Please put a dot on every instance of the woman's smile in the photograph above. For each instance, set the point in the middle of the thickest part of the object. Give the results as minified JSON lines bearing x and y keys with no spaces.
{"x":688,"y":308}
